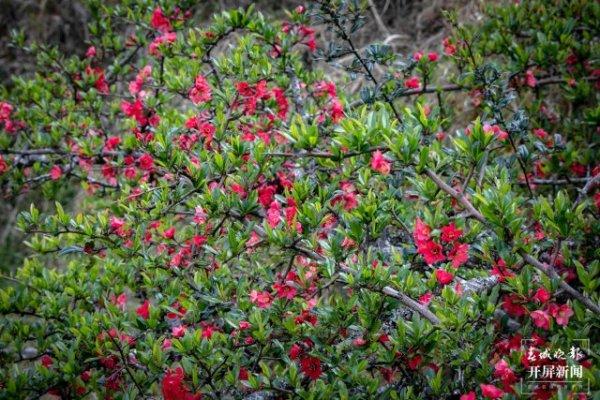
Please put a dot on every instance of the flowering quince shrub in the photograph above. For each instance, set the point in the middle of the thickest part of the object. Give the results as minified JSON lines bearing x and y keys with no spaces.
{"x":251,"y":230}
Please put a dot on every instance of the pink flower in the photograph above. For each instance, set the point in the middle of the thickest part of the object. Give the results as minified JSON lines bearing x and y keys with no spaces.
{"x":178,"y":331}
{"x":541,"y":319}
{"x":495,"y":130}
{"x":539,"y":132}
{"x":503,"y":371}
{"x":425,"y":299}
{"x":380,"y":164}
{"x":325,"y":88}
{"x":418,"y":55}
{"x":562,"y":314}
{"x":530,"y":78}
{"x":116,"y":223}
{"x":421,"y":233}
{"x":90,"y":52}
{"x":274,"y":214}
{"x":121,"y":301}
{"x":491,"y":391}
{"x":164,"y":39}
{"x":55,"y":172}
{"x":262,"y":299}
{"x":359,"y":341}
{"x":443,"y":277}
{"x":254,"y":239}
{"x":412,"y":83}
{"x":244,"y":325}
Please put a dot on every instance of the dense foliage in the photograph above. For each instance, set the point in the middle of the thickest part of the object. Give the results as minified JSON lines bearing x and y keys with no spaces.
{"x":251,"y":229}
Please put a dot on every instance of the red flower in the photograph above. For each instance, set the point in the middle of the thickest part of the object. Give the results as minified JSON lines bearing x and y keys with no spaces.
{"x":337,"y":110}
{"x":295,"y":351}
{"x":459,"y":254}
{"x":86,"y":375}
{"x":284,"y":291}
{"x":311,"y":367}
{"x":432,"y":56}
{"x":431,"y":252}
{"x":541,"y":319}
{"x":243,"y":374}
{"x":491,"y":391}
{"x":541,"y":295}
{"x":380,"y":164}
{"x":146,"y":162}
{"x":159,"y":21}
{"x":511,"y":303}
{"x":443,"y":277}
{"x":144,"y":310}
{"x":3,"y":165}
{"x":468,"y":396}
{"x":112,"y":143}
{"x":450,"y":233}
{"x":414,"y":362}
{"x":239,"y":189}
{"x":265,"y":194}
{"x":174,"y":388}
{"x":201,"y":91}
{"x":46,"y":361}
{"x":169,"y":233}
{"x":412,"y":83}
{"x":499,"y":269}
{"x":55,"y":172}
{"x":449,"y":47}
{"x":578,"y":169}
